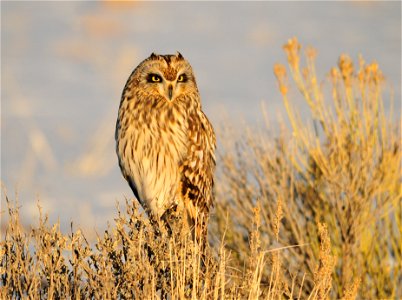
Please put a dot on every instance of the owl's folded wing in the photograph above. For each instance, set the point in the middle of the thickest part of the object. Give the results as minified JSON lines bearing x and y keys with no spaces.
{"x":198,"y":168}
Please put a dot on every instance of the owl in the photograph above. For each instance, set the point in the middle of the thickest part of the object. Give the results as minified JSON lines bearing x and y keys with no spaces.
{"x":165,"y":143}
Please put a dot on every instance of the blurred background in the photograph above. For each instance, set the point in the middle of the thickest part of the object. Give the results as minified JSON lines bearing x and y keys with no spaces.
{"x":64,"y":65}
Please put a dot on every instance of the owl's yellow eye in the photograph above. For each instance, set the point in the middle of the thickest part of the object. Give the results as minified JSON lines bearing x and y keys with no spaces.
{"x":154,"y":78}
{"x":182,"y":78}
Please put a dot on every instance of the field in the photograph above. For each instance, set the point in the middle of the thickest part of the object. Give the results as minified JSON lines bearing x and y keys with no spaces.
{"x":310,"y":212}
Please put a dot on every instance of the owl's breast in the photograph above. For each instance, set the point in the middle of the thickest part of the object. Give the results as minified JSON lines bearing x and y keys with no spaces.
{"x":156,"y":144}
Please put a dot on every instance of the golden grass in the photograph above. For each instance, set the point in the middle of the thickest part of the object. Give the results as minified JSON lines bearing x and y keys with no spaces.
{"x":341,"y":168}
{"x":311,"y":213}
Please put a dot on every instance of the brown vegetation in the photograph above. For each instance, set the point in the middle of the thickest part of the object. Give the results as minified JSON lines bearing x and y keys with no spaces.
{"x":312,"y":213}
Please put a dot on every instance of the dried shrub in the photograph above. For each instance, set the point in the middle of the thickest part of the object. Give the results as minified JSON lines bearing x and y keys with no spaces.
{"x":341,"y":167}
{"x":312,"y":213}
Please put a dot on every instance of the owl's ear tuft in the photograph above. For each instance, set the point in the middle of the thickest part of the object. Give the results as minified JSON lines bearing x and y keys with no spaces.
{"x":153,"y":56}
{"x":179,"y":56}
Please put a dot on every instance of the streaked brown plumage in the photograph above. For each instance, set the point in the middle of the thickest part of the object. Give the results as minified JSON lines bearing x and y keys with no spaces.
{"x":165,"y":143}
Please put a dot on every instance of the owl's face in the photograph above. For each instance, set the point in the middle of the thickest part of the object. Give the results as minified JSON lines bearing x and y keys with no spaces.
{"x":167,"y":77}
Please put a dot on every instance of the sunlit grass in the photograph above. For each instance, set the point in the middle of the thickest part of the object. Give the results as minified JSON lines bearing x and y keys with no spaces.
{"x":310,"y":213}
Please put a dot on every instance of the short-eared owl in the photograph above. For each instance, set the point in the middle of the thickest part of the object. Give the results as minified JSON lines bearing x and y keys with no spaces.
{"x":165,"y":143}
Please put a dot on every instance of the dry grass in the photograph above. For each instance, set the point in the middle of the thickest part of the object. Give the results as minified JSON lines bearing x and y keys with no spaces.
{"x":310,"y":214}
{"x":131,"y":260}
{"x":341,"y":168}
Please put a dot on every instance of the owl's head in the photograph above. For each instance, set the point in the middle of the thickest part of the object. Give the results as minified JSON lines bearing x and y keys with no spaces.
{"x":167,"y":77}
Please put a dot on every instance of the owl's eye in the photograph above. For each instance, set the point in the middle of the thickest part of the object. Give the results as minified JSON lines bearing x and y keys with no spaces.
{"x":154,"y":78}
{"x":182,"y":78}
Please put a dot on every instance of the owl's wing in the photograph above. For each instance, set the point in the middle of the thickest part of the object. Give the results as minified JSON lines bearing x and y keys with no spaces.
{"x":130,"y":181}
{"x":198,"y":168}
{"x":134,"y":189}
{"x":121,"y":162}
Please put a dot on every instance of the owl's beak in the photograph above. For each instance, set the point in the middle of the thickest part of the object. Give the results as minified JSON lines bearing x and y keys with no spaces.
{"x":170,"y":91}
